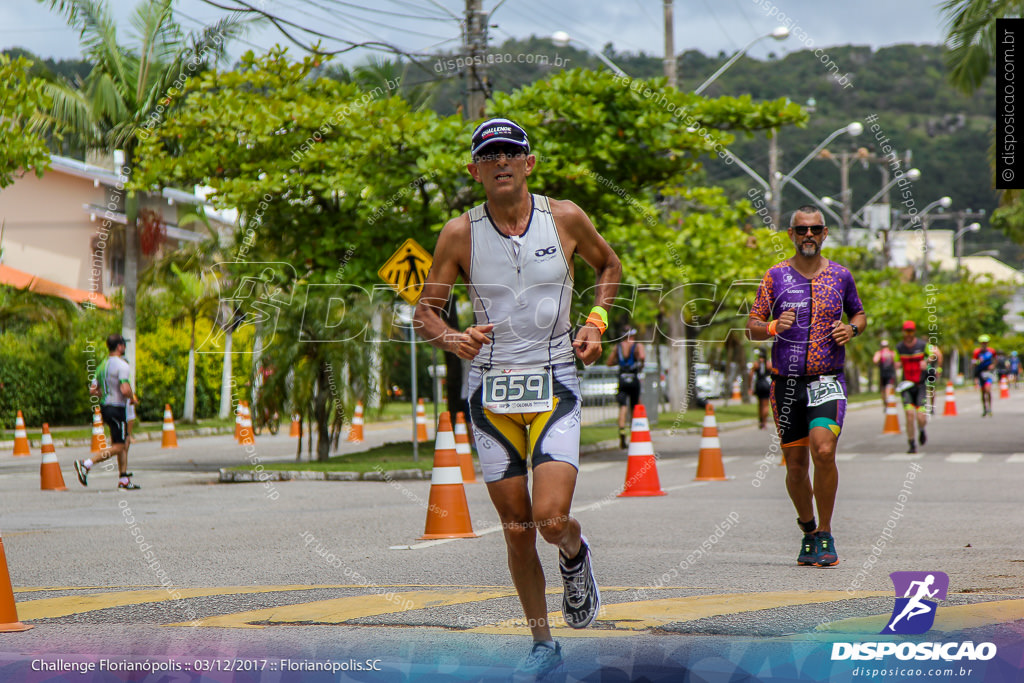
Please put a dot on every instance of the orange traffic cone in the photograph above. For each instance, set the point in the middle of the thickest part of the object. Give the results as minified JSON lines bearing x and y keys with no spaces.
{"x":892,"y":418}
{"x":448,"y":511}
{"x":238,"y":422}
{"x":245,"y":436}
{"x":296,"y":429}
{"x":50,"y":477}
{"x":170,"y":437}
{"x":641,"y":463}
{"x":20,"y":436}
{"x":950,"y":408}
{"x":421,"y":422}
{"x":8,"y":610}
{"x":355,"y":430}
{"x":709,"y":460}
{"x":736,"y":390}
{"x":99,"y":440}
{"x":463,"y":449}
{"x":1004,"y":387}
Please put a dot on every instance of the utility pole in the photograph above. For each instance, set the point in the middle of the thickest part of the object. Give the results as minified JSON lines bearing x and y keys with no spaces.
{"x":775,"y":205}
{"x":475,"y":38}
{"x":670,"y":47}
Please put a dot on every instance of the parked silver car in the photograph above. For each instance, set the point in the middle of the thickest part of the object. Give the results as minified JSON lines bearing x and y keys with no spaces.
{"x":710,"y":382}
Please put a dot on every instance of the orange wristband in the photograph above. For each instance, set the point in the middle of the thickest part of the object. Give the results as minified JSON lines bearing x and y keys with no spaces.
{"x":595,"y":320}
{"x":772,"y":328}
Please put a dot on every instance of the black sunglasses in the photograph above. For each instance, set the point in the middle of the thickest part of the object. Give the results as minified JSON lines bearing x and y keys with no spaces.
{"x":802,"y":229}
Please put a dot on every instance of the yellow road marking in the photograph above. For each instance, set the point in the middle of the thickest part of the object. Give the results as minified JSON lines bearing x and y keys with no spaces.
{"x":71,"y":588}
{"x":48,"y":608}
{"x":340,"y":610}
{"x":948,"y":619}
{"x":627,"y":617}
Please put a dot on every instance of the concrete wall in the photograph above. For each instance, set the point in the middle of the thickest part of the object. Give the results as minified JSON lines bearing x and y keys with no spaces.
{"x":47,"y":233}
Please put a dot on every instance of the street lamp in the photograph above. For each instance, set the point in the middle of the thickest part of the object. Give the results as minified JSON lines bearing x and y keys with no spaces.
{"x":562,"y":39}
{"x":780,"y":33}
{"x":822,"y":204}
{"x":855,"y":128}
{"x":913,"y":174}
{"x":945,"y":203}
{"x":973,"y":227}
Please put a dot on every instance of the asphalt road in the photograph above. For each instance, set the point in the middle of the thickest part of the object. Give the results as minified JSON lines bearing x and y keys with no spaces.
{"x":311,"y":570}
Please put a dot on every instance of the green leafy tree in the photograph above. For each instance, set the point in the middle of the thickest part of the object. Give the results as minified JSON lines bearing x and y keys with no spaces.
{"x":131,"y":86}
{"x":630,"y":153}
{"x":21,"y":96}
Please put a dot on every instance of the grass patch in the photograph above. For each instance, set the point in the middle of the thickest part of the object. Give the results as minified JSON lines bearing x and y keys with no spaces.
{"x":391,"y":456}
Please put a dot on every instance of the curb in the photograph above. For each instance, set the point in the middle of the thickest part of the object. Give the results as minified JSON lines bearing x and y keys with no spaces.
{"x":244,"y":476}
{"x":140,"y":436}
{"x":240,"y":476}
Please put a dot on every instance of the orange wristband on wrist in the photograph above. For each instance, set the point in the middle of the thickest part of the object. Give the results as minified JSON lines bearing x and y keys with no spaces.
{"x":773,"y":328}
{"x":595,"y":320}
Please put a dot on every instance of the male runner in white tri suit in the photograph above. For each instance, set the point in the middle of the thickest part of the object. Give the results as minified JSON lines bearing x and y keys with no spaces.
{"x":515,"y":252}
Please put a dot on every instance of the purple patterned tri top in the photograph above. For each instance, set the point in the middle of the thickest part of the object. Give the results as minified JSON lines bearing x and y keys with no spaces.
{"x":807,"y":348}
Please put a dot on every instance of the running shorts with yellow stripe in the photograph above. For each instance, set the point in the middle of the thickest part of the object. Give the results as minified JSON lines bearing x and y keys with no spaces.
{"x":505,"y":441}
{"x":805,"y":402}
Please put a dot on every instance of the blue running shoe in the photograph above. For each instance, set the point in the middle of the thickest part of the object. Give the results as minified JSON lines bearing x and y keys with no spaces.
{"x":826,"y":548}
{"x":808,"y":551}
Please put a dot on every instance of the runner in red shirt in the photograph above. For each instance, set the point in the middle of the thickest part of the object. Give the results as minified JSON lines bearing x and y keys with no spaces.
{"x":912,"y":357}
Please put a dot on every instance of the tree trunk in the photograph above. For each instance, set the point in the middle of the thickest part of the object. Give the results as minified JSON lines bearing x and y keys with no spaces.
{"x":188,"y":413}
{"x":131,"y":280}
{"x":225,"y":379}
{"x":323,"y":437}
{"x":373,"y":379}
{"x":677,"y":372}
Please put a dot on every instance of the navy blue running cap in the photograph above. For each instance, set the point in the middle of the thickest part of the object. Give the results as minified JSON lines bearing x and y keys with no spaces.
{"x":498,"y":130}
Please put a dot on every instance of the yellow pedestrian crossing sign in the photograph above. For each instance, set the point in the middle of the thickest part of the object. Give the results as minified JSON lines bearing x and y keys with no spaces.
{"x":406,"y":270}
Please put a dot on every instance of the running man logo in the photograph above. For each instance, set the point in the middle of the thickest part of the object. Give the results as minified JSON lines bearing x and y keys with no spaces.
{"x":406,"y":270}
{"x":913,"y":613}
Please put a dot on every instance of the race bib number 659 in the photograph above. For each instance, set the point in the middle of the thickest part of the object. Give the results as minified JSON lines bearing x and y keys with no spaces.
{"x":517,"y":391}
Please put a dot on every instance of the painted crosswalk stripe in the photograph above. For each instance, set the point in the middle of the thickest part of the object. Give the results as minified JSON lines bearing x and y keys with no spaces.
{"x":627,"y":617}
{"x":1016,"y":457}
{"x":841,"y":457}
{"x":340,"y":610}
{"x":49,"y":608}
{"x":903,"y":456}
{"x":963,"y":457}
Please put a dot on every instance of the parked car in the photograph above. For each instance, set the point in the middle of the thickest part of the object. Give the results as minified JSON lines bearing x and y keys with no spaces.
{"x":710,"y":383}
{"x":599,"y":384}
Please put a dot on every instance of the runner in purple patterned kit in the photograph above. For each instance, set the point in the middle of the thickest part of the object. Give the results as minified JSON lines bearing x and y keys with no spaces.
{"x":805,"y":298}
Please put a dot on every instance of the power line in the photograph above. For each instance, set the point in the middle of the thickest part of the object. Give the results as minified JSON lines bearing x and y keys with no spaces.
{"x":393,"y":27}
{"x":378,"y":11}
{"x":280,"y":23}
{"x":420,"y":8}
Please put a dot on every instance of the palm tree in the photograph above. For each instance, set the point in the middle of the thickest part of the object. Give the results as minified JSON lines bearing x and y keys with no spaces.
{"x":131,"y":87}
{"x":202,"y":257}
{"x":972,"y":42}
{"x":308,"y":341}
{"x":195,"y":297}
{"x":971,"y":38}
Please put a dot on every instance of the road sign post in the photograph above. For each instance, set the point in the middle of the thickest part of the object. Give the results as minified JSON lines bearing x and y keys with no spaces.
{"x":406,"y":272}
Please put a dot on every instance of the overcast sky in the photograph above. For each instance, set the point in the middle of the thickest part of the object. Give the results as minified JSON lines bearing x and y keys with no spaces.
{"x":631,"y":25}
